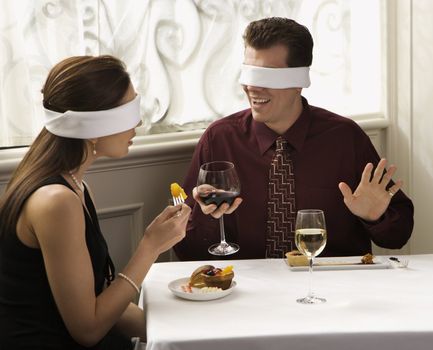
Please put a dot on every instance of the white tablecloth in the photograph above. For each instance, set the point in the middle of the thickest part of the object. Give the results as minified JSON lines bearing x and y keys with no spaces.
{"x":366,"y":309}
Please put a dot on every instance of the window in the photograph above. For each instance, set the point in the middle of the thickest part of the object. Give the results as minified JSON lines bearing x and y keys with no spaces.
{"x":184,"y":56}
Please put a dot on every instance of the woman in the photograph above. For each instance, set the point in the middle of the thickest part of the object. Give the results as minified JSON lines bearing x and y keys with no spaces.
{"x":57,"y":284}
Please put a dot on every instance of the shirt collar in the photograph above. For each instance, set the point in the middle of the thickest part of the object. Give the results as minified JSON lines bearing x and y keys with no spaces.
{"x":295,"y":135}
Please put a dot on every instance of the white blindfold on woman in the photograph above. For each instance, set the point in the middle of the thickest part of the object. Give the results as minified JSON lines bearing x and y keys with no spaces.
{"x":93,"y":124}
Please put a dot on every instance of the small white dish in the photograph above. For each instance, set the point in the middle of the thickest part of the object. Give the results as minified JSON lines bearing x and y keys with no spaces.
{"x":176,"y":288}
{"x":343,"y":263}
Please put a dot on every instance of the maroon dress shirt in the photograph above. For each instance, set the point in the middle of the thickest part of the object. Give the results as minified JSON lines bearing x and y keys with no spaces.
{"x":327,"y":149}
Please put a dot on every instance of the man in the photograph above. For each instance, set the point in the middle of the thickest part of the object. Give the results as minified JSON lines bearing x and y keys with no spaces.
{"x":326,"y":158}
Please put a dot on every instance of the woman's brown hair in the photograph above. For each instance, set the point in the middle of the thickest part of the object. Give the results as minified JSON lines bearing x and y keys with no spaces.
{"x":81,"y":83}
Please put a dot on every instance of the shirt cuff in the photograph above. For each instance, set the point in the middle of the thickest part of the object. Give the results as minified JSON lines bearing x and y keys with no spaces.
{"x":369,"y":224}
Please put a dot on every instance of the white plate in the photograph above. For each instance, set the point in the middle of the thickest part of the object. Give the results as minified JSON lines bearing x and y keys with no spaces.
{"x":343,"y":263}
{"x":175,"y":287}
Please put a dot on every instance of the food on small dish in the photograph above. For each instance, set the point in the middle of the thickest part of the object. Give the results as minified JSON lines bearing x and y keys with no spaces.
{"x":177,"y":191}
{"x":210,"y":290}
{"x":296,"y":258}
{"x":210,"y":276}
{"x":182,"y":289}
{"x":367,"y":259}
{"x":186,"y":288}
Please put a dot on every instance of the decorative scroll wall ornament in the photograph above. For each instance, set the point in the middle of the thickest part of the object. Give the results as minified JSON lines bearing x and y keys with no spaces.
{"x":184,"y":56}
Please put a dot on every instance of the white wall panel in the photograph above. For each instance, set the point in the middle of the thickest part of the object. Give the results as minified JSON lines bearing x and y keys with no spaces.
{"x":422,"y":123}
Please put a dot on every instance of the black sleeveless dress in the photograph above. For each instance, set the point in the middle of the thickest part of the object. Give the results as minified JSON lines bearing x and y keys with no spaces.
{"x":29,"y":318}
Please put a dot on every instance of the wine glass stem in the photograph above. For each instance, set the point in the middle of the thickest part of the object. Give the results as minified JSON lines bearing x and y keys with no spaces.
{"x":310,"y":269}
{"x":222,"y":232}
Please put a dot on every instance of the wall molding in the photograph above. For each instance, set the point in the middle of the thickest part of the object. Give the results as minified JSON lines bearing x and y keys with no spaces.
{"x":135,"y":212}
{"x":147,"y":150}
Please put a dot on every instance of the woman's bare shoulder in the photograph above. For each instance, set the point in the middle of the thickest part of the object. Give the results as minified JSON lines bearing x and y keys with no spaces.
{"x":53,"y":200}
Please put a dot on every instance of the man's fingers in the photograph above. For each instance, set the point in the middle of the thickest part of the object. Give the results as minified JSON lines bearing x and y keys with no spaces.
{"x":395,"y":188}
{"x":220,"y":211}
{"x":225,"y":208}
{"x":234,"y":206}
{"x":366,"y":174}
{"x":213,"y":209}
{"x":345,"y":190}
{"x":378,"y":172}
{"x":386,"y":178}
{"x":208,"y":209}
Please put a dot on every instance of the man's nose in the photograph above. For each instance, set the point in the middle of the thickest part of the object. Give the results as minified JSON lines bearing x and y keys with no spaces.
{"x":253,"y":88}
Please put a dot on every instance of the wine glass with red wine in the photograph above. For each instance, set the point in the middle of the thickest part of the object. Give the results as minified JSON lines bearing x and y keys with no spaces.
{"x":218,"y":183}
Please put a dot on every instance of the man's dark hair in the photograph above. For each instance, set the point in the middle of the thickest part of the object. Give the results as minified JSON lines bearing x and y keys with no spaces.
{"x":268,"y":32}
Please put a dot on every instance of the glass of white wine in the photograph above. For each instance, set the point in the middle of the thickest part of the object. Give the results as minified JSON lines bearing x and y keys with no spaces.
{"x":310,"y":238}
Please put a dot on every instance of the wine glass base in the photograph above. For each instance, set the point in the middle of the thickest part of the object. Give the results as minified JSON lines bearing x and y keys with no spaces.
{"x":223,"y":249}
{"x":311,"y":300}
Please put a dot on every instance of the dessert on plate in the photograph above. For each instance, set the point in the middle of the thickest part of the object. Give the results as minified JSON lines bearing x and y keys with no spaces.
{"x":208,"y":276}
{"x":296,"y":258}
{"x":367,"y":259}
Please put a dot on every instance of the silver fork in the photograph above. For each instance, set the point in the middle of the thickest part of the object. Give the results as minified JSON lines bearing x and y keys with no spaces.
{"x":178,"y":199}
{"x":399,"y":263}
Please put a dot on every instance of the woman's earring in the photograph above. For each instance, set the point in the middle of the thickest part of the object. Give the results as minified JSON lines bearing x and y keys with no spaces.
{"x":94,"y":149}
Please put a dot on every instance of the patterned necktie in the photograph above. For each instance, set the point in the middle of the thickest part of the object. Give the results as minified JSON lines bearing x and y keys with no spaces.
{"x":281,"y":203}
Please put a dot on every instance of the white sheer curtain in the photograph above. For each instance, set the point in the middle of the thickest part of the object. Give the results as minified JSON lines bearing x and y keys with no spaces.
{"x":33,"y":36}
{"x":183,"y":55}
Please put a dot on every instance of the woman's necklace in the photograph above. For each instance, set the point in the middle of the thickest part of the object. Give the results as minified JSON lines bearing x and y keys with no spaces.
{"x":76,"y":182}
